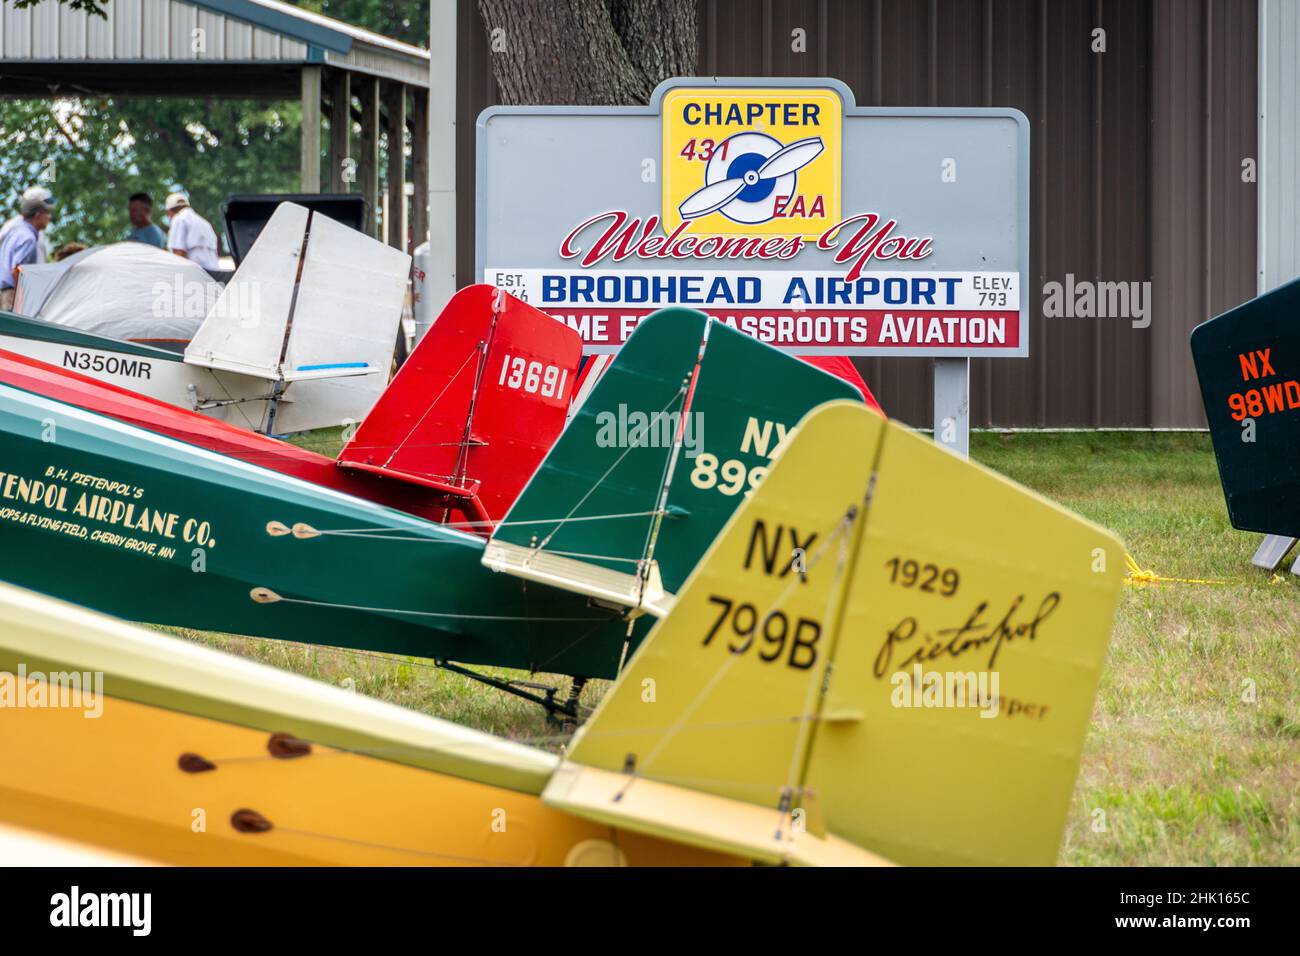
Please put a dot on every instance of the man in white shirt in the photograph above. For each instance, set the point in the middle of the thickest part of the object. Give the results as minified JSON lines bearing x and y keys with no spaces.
{"x":189,"y":235}
{"x":41,"y":194}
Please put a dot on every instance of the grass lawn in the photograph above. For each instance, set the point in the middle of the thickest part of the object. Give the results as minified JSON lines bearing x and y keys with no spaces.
{"x":1194,"y":752}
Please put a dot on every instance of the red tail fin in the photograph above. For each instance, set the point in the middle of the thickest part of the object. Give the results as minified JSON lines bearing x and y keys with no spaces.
{"x":477,"y":405}
{"x":841,"y":367}
{"x":837,"y":365}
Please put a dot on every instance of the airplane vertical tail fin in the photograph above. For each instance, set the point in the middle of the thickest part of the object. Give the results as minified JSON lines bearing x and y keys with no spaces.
{"x":675,"y":434}
{"x":348,"y":308}
{"x":888,"y":648}
{"x":474,"y":408}
{"x":244,"y":331}
{"x":314,"y":309}
{"x":1248,"y":363}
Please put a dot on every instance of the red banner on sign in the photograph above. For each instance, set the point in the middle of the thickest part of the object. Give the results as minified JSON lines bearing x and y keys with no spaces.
{"x":833,"y":331}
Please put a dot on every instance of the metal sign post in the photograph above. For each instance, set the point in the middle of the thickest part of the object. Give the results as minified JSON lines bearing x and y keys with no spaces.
{"x":952,"y":404}
{"x":1272,"y":551}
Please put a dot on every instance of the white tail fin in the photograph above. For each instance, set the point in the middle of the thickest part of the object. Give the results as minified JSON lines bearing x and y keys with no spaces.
{"x":342,"y":321}
{"x":349,"y":304}
{"x":245,"y":330}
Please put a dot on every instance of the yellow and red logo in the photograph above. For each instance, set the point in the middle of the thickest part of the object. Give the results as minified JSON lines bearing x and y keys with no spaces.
{"x":751,"y":162}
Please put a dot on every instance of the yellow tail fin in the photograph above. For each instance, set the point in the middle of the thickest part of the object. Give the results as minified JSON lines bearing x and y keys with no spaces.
{"x":983,"y":586}
{"x":886,"y":645}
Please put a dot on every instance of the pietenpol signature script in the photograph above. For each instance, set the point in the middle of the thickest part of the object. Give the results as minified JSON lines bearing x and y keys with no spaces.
{"x":980,"y":631}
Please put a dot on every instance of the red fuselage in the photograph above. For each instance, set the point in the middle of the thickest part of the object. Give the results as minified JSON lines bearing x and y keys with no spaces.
{"x":72,"y":388}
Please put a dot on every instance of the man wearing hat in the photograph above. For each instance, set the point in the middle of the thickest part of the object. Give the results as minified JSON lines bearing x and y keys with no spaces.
{"x":189,"y":235}
{"x":42,"y":244}
{"x":19,"y":246}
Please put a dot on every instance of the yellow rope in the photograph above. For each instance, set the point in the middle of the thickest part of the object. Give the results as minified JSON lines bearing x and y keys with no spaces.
{"x":1140,"y":577}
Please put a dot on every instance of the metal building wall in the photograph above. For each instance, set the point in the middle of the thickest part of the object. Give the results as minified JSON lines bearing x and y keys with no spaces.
{"x":1136,"y":168}
{"x":87,"y":49}
{"x":135,"y":29}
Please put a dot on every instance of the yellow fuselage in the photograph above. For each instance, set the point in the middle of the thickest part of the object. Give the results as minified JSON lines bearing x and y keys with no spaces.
{"x":115,"y":781}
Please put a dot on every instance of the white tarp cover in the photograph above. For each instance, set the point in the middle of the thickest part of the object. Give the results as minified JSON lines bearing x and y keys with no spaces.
{"x":128,"y":290}
{"x":37,"y":281}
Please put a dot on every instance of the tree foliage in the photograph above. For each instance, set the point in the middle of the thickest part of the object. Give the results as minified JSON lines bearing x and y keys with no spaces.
{"x":406,"y":20}
{"x":93,"y":7}
{"x":93,"y":153}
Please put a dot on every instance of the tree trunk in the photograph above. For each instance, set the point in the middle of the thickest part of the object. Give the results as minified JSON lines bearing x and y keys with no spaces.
{"x":594,"y":52}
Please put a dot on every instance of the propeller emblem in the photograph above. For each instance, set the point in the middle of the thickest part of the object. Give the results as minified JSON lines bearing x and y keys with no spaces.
{"x":750,"y":177}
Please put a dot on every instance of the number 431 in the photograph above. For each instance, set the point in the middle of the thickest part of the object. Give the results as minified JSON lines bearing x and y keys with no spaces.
{"x":703,"y":151}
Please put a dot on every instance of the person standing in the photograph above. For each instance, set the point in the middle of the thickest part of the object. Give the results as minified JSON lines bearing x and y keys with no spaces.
{"x":43,"y":243}
{"x":190,"y":236}
{"x":139,"y":208}
{"x":19,"y":246}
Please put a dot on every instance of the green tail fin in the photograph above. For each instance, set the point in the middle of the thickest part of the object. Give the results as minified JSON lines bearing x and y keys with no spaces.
{"x":689,"y":405}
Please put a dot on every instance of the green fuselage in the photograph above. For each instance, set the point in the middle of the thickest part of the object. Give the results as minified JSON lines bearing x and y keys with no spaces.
{"x":151,"y":529}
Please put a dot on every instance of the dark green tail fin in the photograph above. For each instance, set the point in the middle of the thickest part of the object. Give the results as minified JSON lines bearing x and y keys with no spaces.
{"x":678,"y":431}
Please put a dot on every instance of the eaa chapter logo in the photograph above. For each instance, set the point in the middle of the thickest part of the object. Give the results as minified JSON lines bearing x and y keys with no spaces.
{"x":752,"y":161}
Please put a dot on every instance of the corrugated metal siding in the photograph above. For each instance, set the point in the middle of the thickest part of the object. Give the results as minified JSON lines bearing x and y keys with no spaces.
{"x":1203,"y":216}
{"x":238,"y":41}
{"x":377,"y":62}
{"x":1135,"y":172}
{"x":72,"y":31}
{"x":128,"y":29}
{"x":99,"y":34}
{"x":214,"y":36}
{"x":15,"y":31}
{"x":182,"y":21}
{"x":134,"y":29}
{"x":45,"y":30}
{"x":155,"y":29}
{"x":165,"y":30}
{"x":1279,"y":161}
